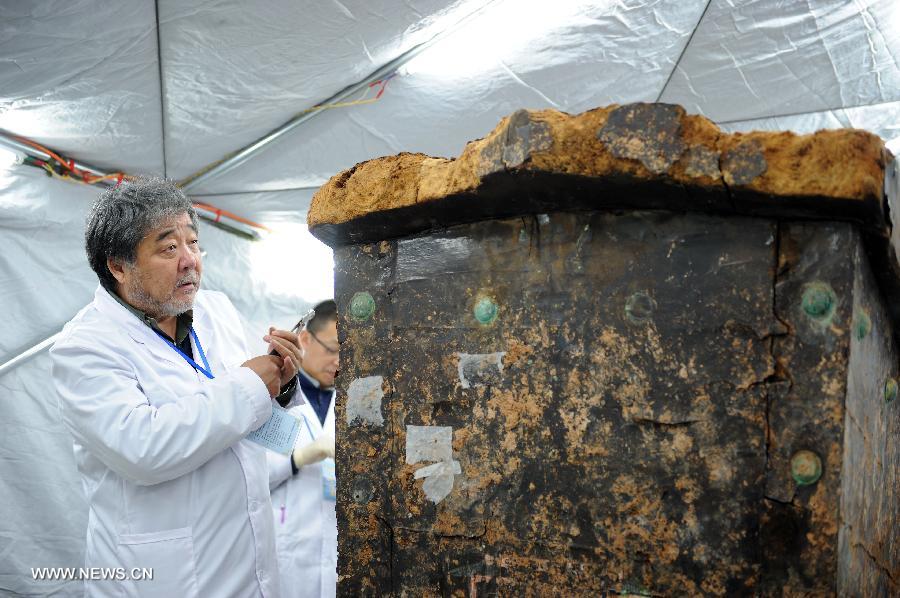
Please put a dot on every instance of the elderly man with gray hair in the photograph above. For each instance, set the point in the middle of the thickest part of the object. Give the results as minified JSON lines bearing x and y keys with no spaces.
{"x":158,"y":390}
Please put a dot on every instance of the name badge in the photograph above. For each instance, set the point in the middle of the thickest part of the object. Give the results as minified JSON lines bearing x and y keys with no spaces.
{"x":279,"y":433}
{"x":329,"y":481}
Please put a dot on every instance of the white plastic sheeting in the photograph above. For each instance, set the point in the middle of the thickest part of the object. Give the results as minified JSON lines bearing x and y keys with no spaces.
{"x":44,"y":276}
{"x":272,"y":207}
{"x":81,"y":77}
{"x":883,"y":119}
{"x":459,"y":88}
{"x":757,"y":58}
{"x":233,"y":71}
{"x":170,"y":86}
{"x":44,"y":510}
{"x":740,"y":61}
{"x":44,"y":280}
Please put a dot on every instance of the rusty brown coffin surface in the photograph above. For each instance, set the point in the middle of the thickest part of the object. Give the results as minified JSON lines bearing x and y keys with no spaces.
{"x":618,"y":353}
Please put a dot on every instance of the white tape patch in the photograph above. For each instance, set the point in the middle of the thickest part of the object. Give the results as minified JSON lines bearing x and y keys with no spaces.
{"x":364,"y":401}
{"x":435,"y":444}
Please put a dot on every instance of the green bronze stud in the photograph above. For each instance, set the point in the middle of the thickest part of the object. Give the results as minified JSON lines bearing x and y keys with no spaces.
{"x":485,"y":310}
{"x":819,"y":301}
{"x":890,"y":390}
{"x":806,"y":467}
{"x":362,"y":306}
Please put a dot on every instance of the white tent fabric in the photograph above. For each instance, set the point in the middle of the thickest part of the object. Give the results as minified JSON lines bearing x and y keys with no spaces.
{"x":755,"y":59}
{"x":502,"y":60}
{"x":235,"y":70}
{"x":82,"y":78}
{"x":171,"y":86}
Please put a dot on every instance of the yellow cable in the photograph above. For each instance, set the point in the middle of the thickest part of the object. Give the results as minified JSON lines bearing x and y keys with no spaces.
{"x":340,"y":105}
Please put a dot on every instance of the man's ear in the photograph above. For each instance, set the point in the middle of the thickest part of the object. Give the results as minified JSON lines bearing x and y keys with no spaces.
{"x":117,"y":269}
{"x":303,"y":339}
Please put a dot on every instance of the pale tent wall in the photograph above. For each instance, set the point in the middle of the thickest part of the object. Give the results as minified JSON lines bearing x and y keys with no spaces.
{"x":261,"y":62}
{"x":168,"y":87}
{"x":45,"y":281}
{"x":81,"y":76}
{"x":566,"y":54}
{"x":753,"y":64}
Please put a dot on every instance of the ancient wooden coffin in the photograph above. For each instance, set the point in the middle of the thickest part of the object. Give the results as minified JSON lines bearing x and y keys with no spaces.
{"x":618,"y":353}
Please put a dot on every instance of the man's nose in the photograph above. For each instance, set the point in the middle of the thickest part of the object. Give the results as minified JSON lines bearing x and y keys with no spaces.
{"x":189,"y":259}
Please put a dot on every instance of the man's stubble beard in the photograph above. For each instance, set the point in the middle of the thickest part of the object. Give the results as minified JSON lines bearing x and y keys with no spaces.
{"x":169,"y":307}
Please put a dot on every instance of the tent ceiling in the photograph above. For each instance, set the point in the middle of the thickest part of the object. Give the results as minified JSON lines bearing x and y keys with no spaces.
{"x":233,"y":71}
{"x":750,"y":59}
{"x":81,"y":76}
{"x":459,"y":89}
{"x":84,"y":76}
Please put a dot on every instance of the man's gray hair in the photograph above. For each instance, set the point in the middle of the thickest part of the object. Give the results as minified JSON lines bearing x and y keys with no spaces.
{"x":123,"y":215}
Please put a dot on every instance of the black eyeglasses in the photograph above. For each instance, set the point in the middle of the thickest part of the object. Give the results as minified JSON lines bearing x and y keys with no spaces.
{"x":328,"y":349}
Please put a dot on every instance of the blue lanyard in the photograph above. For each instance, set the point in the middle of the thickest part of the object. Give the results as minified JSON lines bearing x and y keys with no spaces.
{"x":206,"y":371}
{"x":308,"y":429}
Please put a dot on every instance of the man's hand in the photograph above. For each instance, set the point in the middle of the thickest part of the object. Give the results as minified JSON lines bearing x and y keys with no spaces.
{"x":268,"y":368}
{"x":287,"y":345}
{"x":321,"y":448}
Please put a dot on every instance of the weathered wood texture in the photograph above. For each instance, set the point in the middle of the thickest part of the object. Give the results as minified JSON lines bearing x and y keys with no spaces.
{"x":626,"y":395}
{"x":869,"y":547}
{"x":634,"y":156}
{"x":806,"y":405}
{"x":620,"y":352}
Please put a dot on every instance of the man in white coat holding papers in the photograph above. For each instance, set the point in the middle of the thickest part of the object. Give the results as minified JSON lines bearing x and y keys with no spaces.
{"x":158,"y":390}
{"x":303,"y":484}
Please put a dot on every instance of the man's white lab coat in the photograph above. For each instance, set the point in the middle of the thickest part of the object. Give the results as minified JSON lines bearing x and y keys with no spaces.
{"x":305,"y":521}
{"x":171,"y":484}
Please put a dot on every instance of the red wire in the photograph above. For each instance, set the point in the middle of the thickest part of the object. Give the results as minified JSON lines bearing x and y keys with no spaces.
{"x":384,"y":85}
{"x":69,"y":164}
{"x":220,"y":212}
{"x":88,"y":178}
